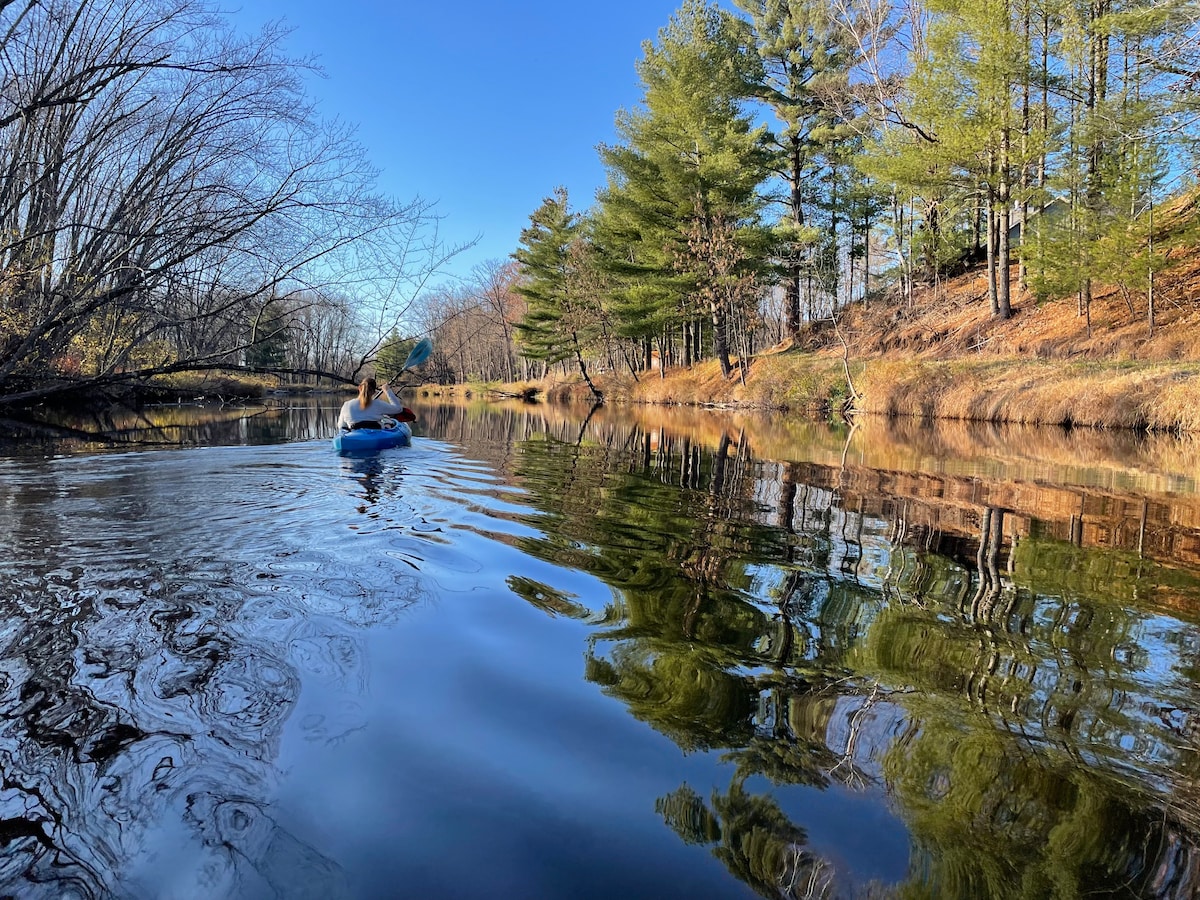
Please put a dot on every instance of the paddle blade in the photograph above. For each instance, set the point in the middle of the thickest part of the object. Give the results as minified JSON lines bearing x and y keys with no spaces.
{"x":419,"y":354}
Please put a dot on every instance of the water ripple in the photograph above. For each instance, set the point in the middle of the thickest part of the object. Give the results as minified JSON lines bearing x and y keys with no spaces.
{"x":155,"y":644}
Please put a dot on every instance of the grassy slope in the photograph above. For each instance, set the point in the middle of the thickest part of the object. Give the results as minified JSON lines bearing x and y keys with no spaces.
{"x":944,"y":356}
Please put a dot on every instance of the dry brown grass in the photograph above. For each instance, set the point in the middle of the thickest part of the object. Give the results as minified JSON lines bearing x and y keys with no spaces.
{"x":1129,"y":394}
{"x":791,"y":380}
{"x":215,"y":384}
{"x":687,"y":386}
{"x":945,"y":356}
{"x":1158,"y":396}
{"x":775,"y":381}
{"x":477,"y":390}
{"x":953,"y":319}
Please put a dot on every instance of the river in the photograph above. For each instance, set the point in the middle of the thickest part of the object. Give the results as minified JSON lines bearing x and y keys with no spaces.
{"x":634,"y":652}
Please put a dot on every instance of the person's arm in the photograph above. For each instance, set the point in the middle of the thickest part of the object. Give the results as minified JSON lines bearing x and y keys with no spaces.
{"x":344,"y":418}
{"x":386,"y":396}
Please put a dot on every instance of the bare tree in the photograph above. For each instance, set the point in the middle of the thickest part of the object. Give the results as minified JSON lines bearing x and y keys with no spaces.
{"x":164,"y":179}
{"x":496,"y":280}
{"x":473,"y":325}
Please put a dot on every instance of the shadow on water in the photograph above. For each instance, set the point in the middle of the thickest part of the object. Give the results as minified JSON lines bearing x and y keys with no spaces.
{"x":952,"y":662}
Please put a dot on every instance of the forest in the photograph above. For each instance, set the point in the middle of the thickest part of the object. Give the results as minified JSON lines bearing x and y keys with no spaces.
{"x":173,"y":202}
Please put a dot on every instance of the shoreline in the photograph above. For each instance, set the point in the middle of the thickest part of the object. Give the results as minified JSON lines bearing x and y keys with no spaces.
{"x":1140,"y":396}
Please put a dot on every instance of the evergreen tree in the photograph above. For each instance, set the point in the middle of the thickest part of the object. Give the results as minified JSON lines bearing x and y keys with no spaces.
{"x":864,"y":204}
{"x":1028,"y":105}
{"x":564,"y":318}
{"x":393,"y":353}
{"x":957,"y":145}
{"x":806,"y":59}
{"x":688,"y":167}
{"x":1120,"y":107}
{"x":635,"y":236}
{"x":267,"y":344}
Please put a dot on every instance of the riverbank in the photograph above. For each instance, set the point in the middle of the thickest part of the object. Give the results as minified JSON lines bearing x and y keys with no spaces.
{"x":1086,"y":393}
{"x":944,"y":356}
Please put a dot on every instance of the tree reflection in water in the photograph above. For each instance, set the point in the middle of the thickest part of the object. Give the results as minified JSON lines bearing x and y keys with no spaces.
{"x":754,"y":839}
{"x":821,"y":621}
{"x":1000,"y":659}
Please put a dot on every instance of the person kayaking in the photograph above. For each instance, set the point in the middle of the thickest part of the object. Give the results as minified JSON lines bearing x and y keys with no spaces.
{"x":366,"y":410}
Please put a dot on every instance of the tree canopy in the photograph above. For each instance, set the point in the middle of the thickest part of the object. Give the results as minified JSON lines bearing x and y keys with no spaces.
{"x":169,"y":189}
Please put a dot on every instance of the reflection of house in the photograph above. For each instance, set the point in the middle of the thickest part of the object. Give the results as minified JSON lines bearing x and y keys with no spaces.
{"x":1049,"y":212}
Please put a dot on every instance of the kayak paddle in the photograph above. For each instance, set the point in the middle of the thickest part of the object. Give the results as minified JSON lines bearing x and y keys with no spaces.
{"x":418,"y":355}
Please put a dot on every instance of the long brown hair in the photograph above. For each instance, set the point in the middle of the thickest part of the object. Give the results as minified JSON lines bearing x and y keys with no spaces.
{"x":366,"y":392}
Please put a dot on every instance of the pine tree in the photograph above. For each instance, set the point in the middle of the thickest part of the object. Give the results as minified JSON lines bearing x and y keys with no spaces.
{"x":806,"y":59}
{"x":1118,"y":71}
{"x":957,"y":147}
{"x":689,"y":164}
{"x":635,"y":236}
{"x":268,"y":337}
{"x":393,"y":353}
{"x":564,"y":318}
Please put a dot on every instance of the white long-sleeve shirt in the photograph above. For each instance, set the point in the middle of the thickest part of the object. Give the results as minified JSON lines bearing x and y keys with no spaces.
{"x":384,"y":405}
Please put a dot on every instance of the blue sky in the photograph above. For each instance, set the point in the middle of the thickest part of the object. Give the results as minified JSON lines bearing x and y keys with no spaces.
{"x":484,"y":107}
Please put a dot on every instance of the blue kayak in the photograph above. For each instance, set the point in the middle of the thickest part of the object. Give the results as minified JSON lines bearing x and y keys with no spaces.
{"x":368,"y":440}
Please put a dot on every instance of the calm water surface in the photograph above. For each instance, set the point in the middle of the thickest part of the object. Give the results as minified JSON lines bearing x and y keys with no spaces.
{"x":633,"y":654}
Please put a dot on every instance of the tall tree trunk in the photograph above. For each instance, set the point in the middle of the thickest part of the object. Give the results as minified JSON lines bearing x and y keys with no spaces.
{"x":866,"y":261}
{"x":993,"y":287}
{"x":1003,"y":307}
{"x":980,"y":209}
{"x":1045,"y":123}
{"x":720,"y":338}
{"x":1150,"y":284}
{"x":791,"y":293}
{"x":1027,"y":52}
{"x":1097,"y":90}
{"x":833,"y":230}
